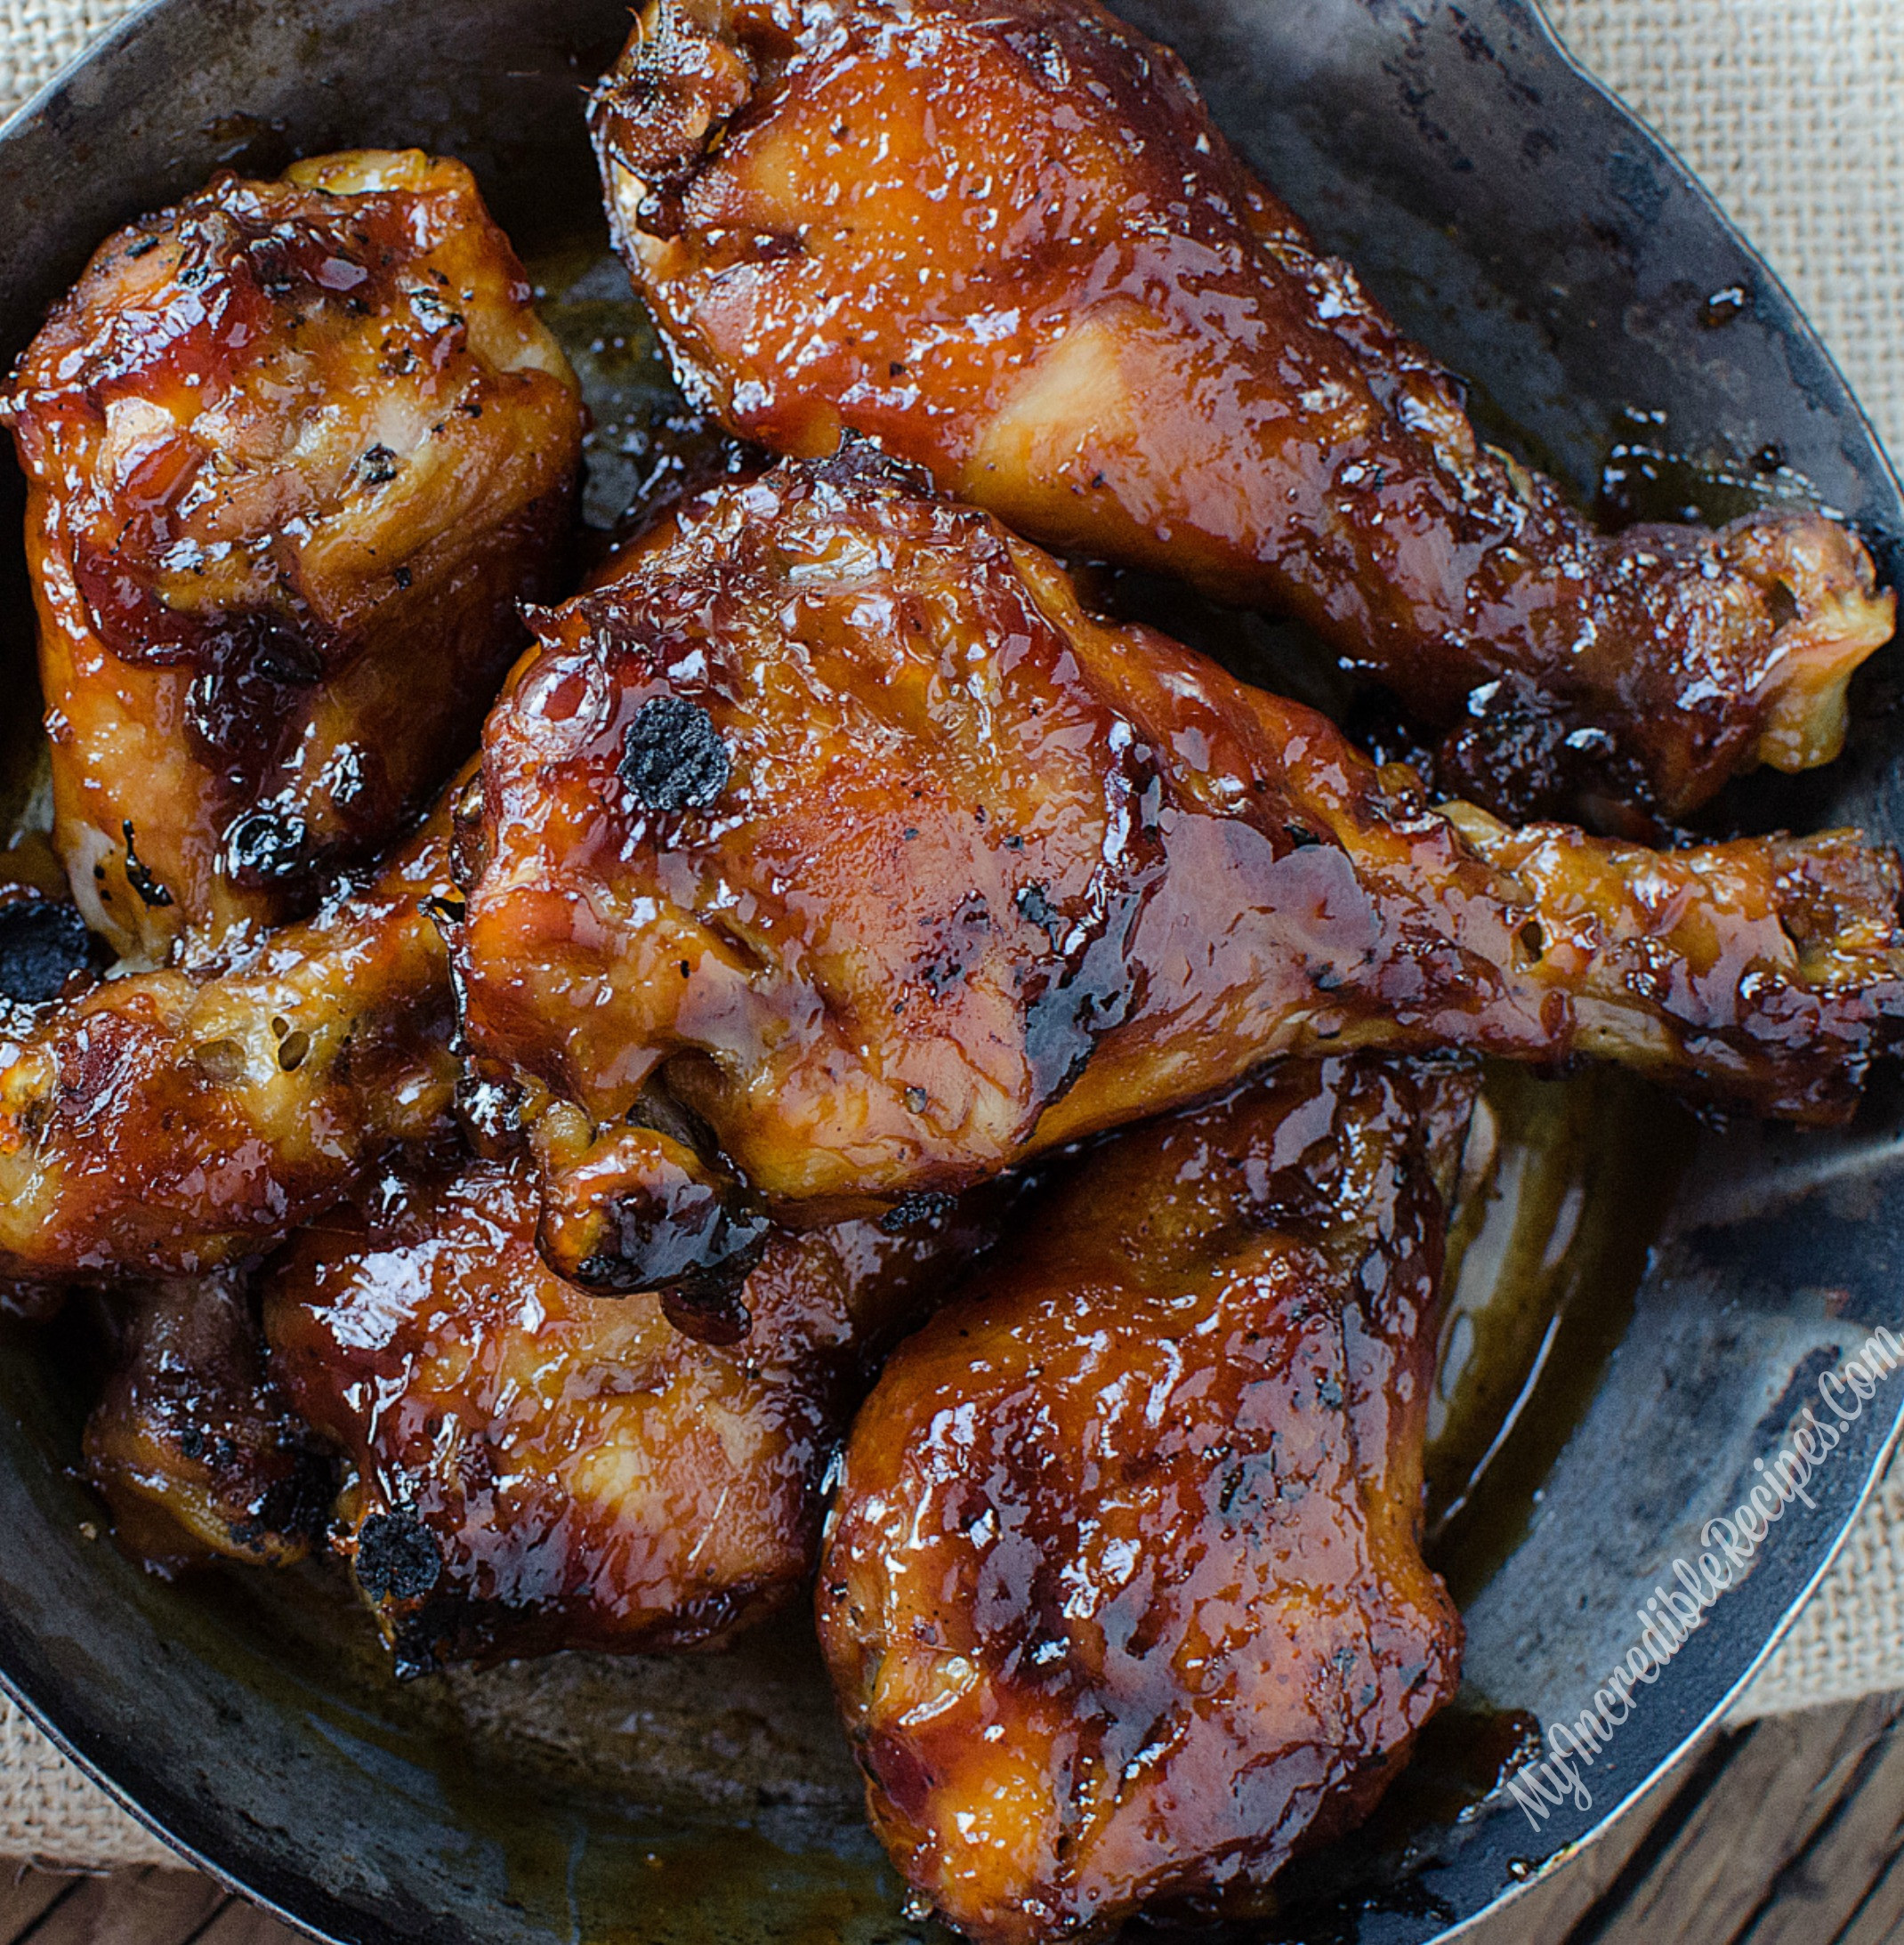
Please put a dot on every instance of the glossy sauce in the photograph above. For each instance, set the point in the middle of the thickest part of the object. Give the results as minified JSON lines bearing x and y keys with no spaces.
{"x":1123,"y":1598}
{"x":196,"y":1452}
{"x":644,"y":441}
{"x":1468,"y":1412}
{"x":1566,"y":1186}
{"x":166,"y":1124}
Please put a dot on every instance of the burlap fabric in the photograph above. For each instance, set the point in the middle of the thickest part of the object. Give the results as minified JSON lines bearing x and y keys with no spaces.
{"x":1792,"y":112}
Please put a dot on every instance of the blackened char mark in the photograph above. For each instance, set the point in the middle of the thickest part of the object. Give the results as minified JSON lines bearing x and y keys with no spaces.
{"x":673,"y":757}
{"x":927,"y":1211}
{"x":445,"y":1628}
{"x":151,"y":892}
{"x":267,"y":847}
{"x":398,"y":1558}
{"x":702,"y":1246}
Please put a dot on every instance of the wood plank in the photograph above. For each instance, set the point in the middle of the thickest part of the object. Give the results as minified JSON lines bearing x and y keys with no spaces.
{"x":141,"y":1907}
{"x":1825,"y":1887}
{"x":242,"y":1924}
{"x":1777,"y":1786}
{"x":25,"y":1894}
{"x":1880,"y":1919}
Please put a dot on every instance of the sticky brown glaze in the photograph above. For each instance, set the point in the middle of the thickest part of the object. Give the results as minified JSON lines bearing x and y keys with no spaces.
{"x":1007,"y":241}
{"x":837,"y":820}
{"x":295,"y":449}
{"x":166,"y":1124}
{"x":537,"y":1468}
{"x":193,"y":1446}
{"x":1123,"y":1598}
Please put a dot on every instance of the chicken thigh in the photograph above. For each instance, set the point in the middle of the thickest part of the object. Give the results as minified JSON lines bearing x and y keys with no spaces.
{"x":534,"y":1467}
{"x":168,"y":1123}
{"x":295,"y":450}
{"x":192,"y":1447}
{"x":1123,"y":1597}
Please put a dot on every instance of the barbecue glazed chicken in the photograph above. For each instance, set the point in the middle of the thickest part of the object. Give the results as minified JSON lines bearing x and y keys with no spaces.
{"x":1123,"y":1597}
{"x":1004,"y":238}
{"x":193,"y":1447}
{"x":168,"y":1123}
{"x":295,"y":450}
{"x":535,"y":1468}
{"x":831,"y":852}
{"x":520,"y":1198}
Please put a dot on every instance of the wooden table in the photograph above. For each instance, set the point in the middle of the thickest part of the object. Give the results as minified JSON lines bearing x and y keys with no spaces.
{"x":1790,"y":1832}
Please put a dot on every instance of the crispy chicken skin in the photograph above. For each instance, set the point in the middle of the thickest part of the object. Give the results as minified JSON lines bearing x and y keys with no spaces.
{"x":295,"y":450}
{"x":1123,"y":1595}
{"x":536,"y":1468}
{"x":832,"y":819}
{"x":193,"y":1446}
{"x":168,"y":1123}
{"x":1005,"y":239}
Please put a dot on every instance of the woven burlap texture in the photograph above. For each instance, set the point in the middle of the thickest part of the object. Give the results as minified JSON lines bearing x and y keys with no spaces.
{"x":1793,"y":113}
